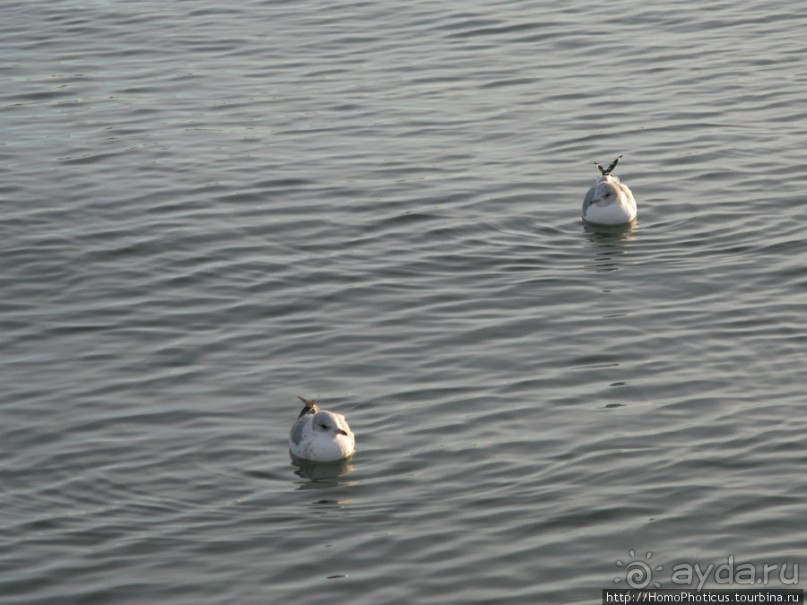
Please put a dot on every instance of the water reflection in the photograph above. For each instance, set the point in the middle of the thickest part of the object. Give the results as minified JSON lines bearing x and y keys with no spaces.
{"x":608,"y":244}
{"x":324,"y":473}
{"x":323,"y":477}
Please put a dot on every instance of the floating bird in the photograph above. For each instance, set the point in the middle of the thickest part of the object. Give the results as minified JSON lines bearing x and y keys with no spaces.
{"x":609,"y":201}
{"x":319,"y":435}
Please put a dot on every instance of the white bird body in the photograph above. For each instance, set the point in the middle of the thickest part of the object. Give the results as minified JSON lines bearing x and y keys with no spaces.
{"x":320,"y":435}
{"x":609,"y":201}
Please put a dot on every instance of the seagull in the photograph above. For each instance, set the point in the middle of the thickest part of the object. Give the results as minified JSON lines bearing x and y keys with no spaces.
{"x":320,"y":435}
{"x":609,"y":201}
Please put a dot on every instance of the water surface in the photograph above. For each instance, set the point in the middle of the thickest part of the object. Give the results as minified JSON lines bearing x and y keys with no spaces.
{"x":209,"y":209}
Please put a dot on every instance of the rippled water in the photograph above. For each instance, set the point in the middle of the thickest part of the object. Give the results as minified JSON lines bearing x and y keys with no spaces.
{"x":209,"y":208}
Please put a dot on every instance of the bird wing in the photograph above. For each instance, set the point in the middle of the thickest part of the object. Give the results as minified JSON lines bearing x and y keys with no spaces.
{"x":588,"y":199}
{"x":612,"y":166}
{"x":311,"y":406}
{"x":625,"y":189}
{"x":297,"y":430}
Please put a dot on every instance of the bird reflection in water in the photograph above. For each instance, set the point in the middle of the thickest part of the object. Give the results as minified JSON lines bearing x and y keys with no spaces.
{"x":609,"y":244}
{"x":324,"y":474}
{"x":324,"y":477}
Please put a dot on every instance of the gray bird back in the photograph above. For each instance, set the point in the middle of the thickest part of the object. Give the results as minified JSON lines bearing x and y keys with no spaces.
{"x":297,"y":431}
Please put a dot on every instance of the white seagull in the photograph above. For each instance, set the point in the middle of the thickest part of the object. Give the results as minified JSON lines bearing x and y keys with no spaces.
{"x":320,"y":435}
{"x":609,"y":202}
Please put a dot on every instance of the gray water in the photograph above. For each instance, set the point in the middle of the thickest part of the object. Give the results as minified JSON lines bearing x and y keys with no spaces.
{"x":209,"y":208}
